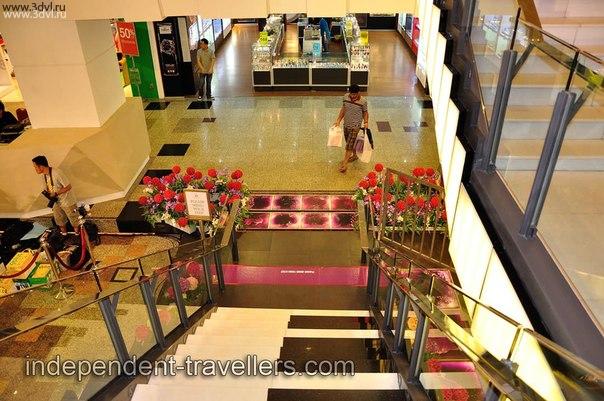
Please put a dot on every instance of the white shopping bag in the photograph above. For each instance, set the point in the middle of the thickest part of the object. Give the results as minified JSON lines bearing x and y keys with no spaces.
{"x":335,"y":136}
{"x":365,"y":157}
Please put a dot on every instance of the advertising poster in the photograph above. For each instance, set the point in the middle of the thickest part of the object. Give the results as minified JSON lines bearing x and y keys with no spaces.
{"x":168,"y":49}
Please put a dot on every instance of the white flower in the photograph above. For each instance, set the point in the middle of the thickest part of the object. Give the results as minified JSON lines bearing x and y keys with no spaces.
{"x":148,"y":190}
{"x":165,"y":216}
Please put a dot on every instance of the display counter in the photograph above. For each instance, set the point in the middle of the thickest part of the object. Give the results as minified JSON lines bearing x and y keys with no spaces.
{"x":272,"y":70}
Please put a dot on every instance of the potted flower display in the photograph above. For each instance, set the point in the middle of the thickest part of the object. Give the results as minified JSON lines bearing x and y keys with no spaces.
{"x":409,"y":203}
{"x":164,"y":199}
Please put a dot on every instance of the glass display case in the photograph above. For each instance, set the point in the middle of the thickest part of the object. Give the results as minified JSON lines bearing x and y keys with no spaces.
{"x":359,"y":57}
{"x":262,"y":58}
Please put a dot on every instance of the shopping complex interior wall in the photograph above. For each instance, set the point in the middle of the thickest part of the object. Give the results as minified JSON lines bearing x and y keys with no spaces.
{"x":144,"y":63}
{"x":101,"y":163}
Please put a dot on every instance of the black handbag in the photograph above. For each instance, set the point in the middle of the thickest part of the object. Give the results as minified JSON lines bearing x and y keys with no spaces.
{"x":369,"y":137}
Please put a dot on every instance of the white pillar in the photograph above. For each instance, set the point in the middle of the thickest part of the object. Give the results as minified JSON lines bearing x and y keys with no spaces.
{"x":67,"y":70}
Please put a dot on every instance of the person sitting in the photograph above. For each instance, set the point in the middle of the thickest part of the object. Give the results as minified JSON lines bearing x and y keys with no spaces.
{"x":6,"y":117}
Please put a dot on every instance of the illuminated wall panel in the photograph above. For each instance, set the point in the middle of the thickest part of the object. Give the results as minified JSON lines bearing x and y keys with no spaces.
{"x":286,"y":6}
{"x":432,"y":40}
{"x":453,"y":182}
{"x":425,"y":14}
{"x":449,"y":137}
{"x":437,"y":71}
{"x":443,"y":102}
{"x":322,"y":8}
{"x":470,"y":246}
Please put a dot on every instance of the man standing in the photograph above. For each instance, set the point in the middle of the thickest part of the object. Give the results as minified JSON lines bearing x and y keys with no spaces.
{"x":57,"y":187}
{"x":205,"y":68}
{"x":355,"y":115}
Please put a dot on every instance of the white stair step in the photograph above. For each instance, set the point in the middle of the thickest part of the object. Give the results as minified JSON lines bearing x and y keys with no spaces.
{"x":360,"y":381}
{"x":242,"y":331}
{"x":446,"y":380}
{"x":228,"y":381}
{"x":236,"y":324}
{"x":289,"y":312}
{"x":225,"y":353}
{"x":225,"y":340}
{"x":169,"y":392}
{"x":575,"y":155}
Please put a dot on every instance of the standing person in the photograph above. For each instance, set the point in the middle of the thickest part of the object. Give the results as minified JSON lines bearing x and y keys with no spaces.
{"x":355,"y":115}
{"x":57,"y":186}
{"x":205,"y":69}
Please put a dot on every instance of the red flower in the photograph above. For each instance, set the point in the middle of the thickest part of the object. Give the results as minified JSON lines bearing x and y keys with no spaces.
{"x":212,"y":173}
{"x":186,"y":178}
{"x":223,"y":199}
{"x":169,"y":194}
{"x":379,"y":167}
{"x":237,"y":185}
{"x":431,"y":180}
{"x":443,"y":215}
{"x":143,"y":200}
{"x":391,"y":179}
{"x":389,"y":197}
{"x":179,"y":208}
{"x":401,"y":206}
{"x":234,"y":198}
{"x":190,"y":170}
{"x":434,"y":202}
{"x":377,"y":197}
{"x":209,"y":185}
{"x":419,"y":172}
{"x":161,"y":186}
{"x":372,"y":175}
{"x":155,"y":181}
{"x":429,"y":171}
{"x":158,"y":198}
{"x":421,"y":202}
{"x":373,"y":182}
{"x":410,"y":200}
{"x":176,"y":169}
{"x":237,"y":174}
{"x":364,"y":184}
{"x":379,"y":191}
{"x":147,"y":180}
{"x":183,"y":221}
{"x":404,"y":179}
{"x":181,"y":197}
{"x":197,"y":175}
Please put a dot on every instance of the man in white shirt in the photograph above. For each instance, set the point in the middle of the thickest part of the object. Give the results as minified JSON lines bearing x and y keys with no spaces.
{"x":205,"y":68}
{"x":58,"y":187}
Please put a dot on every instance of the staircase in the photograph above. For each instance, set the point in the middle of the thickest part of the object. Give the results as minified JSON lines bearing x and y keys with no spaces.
{"x":297,"y":335}
{"x":530,"y":106}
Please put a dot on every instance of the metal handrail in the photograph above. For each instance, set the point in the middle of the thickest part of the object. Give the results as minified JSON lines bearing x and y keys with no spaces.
{"x":20,"y":328}
{"x":499,"y":372}
{"x":229,"y":227}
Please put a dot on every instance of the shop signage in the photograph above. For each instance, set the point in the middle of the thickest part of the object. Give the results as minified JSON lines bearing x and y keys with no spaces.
{"x":263,"y":38}
{"x":134,"y":75}
{"x":316,"y":49}
{"x":364,"y":37}
{"x":127,"y":38}
{"x":167,"y":49}
{"x":198,"y":204}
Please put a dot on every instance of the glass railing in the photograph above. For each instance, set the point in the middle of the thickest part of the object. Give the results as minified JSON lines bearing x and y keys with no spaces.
{"x":551,"y":158}
{"x":124,"y":312}
{"x":460,"y":348}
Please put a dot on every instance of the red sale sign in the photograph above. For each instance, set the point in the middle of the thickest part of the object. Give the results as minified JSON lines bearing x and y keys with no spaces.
{"x":127,"y":38}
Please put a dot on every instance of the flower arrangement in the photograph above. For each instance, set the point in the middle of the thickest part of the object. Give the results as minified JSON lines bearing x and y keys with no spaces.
{"x":190,"y":283}
{"x":410,"y":202}
{"x":164,"y":198}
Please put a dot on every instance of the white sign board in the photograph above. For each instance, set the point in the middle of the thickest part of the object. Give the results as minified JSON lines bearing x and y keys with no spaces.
{"x":198,"y":204}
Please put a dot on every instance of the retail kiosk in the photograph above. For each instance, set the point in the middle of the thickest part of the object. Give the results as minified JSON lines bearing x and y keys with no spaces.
{"x":311,"y":68}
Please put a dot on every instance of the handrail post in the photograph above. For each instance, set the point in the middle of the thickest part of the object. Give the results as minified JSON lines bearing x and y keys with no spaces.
{"x":234,"y":247}
{"x":500,"y":104}
{"x":468,"y":16}
{"x":180,"y":304}
{"x":389,"y":306}
{"x":158,"y":332}
{"x":547,"y":162}
{"x":219,"y":270}
{"x":114,"y":331}
{"x":375,"y":285}
{"x":207,"y":266}
{"x":401,"y":321}
{"x":419,"y":345}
